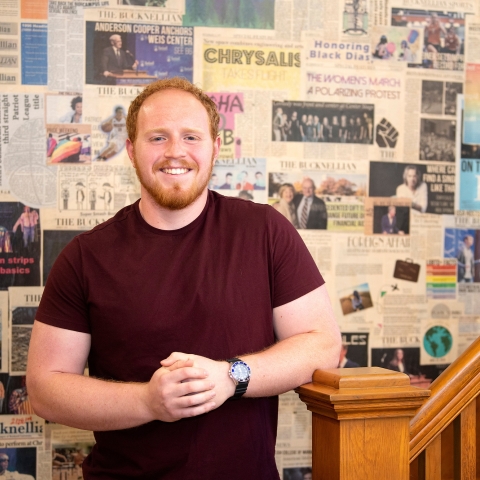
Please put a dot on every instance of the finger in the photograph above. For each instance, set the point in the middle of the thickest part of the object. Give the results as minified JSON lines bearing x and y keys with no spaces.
{"x":180,"y":364}
{"x":173,"y":357}
{"x":181,"y":374}
{"x":194,"y":387}
{"x":194,"y":411}
{"x":189,"y":401}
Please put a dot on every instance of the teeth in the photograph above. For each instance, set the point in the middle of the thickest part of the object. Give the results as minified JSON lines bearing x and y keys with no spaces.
{"x":175,"y":171}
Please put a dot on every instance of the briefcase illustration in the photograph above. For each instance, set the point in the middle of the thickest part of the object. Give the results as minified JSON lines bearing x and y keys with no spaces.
{"x":406,"y":270}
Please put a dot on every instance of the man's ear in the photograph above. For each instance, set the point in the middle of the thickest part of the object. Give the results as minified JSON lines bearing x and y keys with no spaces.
{"x":216,"y":148}
{"x":130,"y":150}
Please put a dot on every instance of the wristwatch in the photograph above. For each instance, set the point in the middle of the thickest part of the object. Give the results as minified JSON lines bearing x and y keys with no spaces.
{"x":240,"y":374}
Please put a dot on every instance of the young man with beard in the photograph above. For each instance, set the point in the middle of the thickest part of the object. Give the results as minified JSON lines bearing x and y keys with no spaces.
{"x":163,"y":298}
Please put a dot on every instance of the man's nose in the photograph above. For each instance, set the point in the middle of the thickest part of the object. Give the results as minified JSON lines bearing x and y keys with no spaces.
{"x":175,"y":148}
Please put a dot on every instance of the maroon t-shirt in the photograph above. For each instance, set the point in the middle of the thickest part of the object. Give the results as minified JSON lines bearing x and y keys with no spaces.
{"x":208,"y":289}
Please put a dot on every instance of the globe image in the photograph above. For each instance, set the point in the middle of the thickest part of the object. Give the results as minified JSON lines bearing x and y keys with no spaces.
{"x":437,"y":341}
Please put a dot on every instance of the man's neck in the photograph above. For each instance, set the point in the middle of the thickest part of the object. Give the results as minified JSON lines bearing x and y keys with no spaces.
{"x":166,"y":219}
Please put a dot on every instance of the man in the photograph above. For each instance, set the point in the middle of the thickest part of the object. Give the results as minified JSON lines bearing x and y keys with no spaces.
{"x":277,"y":125}
{"x":311,"y":210}
{"x":466,"y":262}
{"x":389,"y":222}
{"x":345,"y":362}
{"x":7,"y":474}
{"x":413,"y":187}
{"x":115,"y":60}
{"x":259,"y":181}
{"x":189,"y":271}
{"x":228,"y":182}
{"x":27,"y":222}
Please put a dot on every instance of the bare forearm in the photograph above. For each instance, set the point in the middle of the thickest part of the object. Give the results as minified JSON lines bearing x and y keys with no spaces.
{"x":290,"y":363}
{"x":89,"y":403}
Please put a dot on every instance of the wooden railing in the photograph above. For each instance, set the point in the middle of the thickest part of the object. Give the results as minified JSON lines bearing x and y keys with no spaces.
{"x":371,"y":424}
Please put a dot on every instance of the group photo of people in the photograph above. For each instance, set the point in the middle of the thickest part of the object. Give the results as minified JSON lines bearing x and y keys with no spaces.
{"x":309,"y":122}
{"x":437,"y":140}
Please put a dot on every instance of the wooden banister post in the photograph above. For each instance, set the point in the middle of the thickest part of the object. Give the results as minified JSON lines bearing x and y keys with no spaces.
{"x":360,"y":423}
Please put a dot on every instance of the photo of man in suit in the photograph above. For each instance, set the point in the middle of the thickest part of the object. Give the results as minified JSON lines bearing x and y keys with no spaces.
{"x":389,"y":222}
{"x":115,"y":60}
{"x":311,"y":210}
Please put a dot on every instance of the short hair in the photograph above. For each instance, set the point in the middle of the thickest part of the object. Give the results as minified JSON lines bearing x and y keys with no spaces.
{"x":390,"y":207}
{"x":417,"y":173}
{"x":114,"y":36}
{"x":228,"y":175}
{"x":175,"y":83}
{"x":75,"y":101}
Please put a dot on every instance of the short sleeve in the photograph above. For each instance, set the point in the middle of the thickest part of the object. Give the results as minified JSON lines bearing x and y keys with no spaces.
{"x":63,"y":301}
{"x":294,"y":270}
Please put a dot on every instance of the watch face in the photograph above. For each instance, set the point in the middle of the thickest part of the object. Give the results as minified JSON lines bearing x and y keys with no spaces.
{"x":241,"y":371}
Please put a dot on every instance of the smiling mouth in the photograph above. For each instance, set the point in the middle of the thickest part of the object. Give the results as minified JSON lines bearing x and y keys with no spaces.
{"x":175,"y":171}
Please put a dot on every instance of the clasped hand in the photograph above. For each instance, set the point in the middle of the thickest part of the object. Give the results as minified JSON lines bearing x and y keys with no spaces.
{"x":186,"y":386}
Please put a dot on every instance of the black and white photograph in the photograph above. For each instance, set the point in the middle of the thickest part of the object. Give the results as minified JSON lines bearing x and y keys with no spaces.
{"x":452,"y":89}
{"x":432,"y":97}
{"x":22,"y":323}
{"x":322,"y":122}
{"x":437,"y":140}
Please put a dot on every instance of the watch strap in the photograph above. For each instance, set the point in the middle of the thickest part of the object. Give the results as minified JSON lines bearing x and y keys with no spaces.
{"x":240,"y":387}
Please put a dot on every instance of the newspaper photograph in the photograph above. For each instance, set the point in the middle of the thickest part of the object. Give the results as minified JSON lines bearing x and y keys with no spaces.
{"x":354,"y":352}
{"x":319,"y":194}
{"x":444,"y":36}
{"x":70,"y":447}
{"x":240,"y":177}
{"x":65,"y":107}
{"x":106,"y":110}
{"x":135,"y":53}
{"x":430,"y":187}
{"x":19,"y":245}
{"x":68,"y":144}
{"x":397,"y":44}
{"x":23,"y":304}
{"x":387,"y":216}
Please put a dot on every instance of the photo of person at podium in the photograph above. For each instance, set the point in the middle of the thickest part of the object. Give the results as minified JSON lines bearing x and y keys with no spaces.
{"x":115,"y":60}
